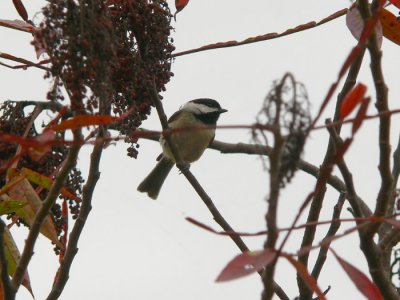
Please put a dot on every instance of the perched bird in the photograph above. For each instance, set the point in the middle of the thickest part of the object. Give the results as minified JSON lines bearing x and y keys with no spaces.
{"x":190,"y":143}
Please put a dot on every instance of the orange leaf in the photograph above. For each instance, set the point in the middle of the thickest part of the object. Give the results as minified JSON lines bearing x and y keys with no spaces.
{"x":25,"y":192}
{"x":46,"y":183}
{"x":38,"y":143}
{"x":390,"y":25}
{"x":180,"y":4}
{"x":13,"y":257}
{"x":21,"y":9}
{"x":84,"y":120}
{"x":352,"y":99}
{"x":362,"y":113}
{"x":302,"y":270}
{"x":360,"y":280}
{"x":246,"y":263}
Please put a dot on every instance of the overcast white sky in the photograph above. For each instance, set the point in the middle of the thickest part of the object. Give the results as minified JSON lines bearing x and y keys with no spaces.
{"x":136,"y":248}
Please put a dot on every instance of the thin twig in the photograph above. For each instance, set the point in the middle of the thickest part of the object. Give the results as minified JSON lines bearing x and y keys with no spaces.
{"x":346,"y":174}
{"x":264,"y":37}
{"x":257,"y":149}
{"x":333,"y":228}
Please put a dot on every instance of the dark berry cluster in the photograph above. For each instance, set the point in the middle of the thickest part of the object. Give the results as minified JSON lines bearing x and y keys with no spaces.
{"x":14,"y":120}
{"x":107,"y":53}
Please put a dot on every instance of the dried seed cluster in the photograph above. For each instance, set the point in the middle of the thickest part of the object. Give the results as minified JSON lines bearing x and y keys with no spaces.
{"x":286,"y":109}
{"x":106,"y":53}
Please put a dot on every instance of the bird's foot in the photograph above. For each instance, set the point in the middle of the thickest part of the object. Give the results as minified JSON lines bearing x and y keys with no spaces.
{"x":183,"y":167}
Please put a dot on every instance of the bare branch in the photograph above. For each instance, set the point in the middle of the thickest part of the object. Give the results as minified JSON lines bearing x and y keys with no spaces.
{"x":386,"y":190}
{"x":333,"y":228}
{"x":316,"y":205}
{"x":86,"y":206}
{"x":347,"y":176}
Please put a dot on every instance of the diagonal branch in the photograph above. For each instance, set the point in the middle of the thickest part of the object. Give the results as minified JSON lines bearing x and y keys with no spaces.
{"x":264,"y":37}
{"x":333,"y":228}
{"x":316,"y":205}
{"x":195,"y":184}
{"x":86,"y":207}
{"x":44,"y":210}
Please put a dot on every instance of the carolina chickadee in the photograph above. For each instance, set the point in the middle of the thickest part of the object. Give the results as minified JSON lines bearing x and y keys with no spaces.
{"x":190,"y":143}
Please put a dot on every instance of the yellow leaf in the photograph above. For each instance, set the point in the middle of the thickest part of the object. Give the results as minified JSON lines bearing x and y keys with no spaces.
{"x":13,"y":256}
{"x":24,"y":191}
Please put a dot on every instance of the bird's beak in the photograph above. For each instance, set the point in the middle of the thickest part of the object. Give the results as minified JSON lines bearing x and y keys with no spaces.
{"x":222,"y":110}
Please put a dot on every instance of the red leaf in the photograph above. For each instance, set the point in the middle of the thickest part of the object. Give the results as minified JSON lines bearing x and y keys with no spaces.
{"x":352,"y":99}
{"x":21,"y":9}
{"x":246,"y":263}
{"x":231,"y":233}
{"x":360,"y":280}
{"x":395,"y":3}
{"x":362,"y":113}
{"x":180,"y":4}
{"x":302,"y":270}
{"x":17,"y":24}
{"x":46,"y":182}
{"x":84,"y":120}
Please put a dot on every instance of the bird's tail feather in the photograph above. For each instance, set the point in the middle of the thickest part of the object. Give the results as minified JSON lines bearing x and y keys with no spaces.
{"x":153,"y":182}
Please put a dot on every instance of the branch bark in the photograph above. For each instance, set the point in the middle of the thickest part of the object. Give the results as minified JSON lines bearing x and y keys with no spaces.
{"x":86,"y":207}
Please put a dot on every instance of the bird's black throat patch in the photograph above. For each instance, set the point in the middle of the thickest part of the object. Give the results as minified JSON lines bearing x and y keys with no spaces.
{"x":208,"y":118}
